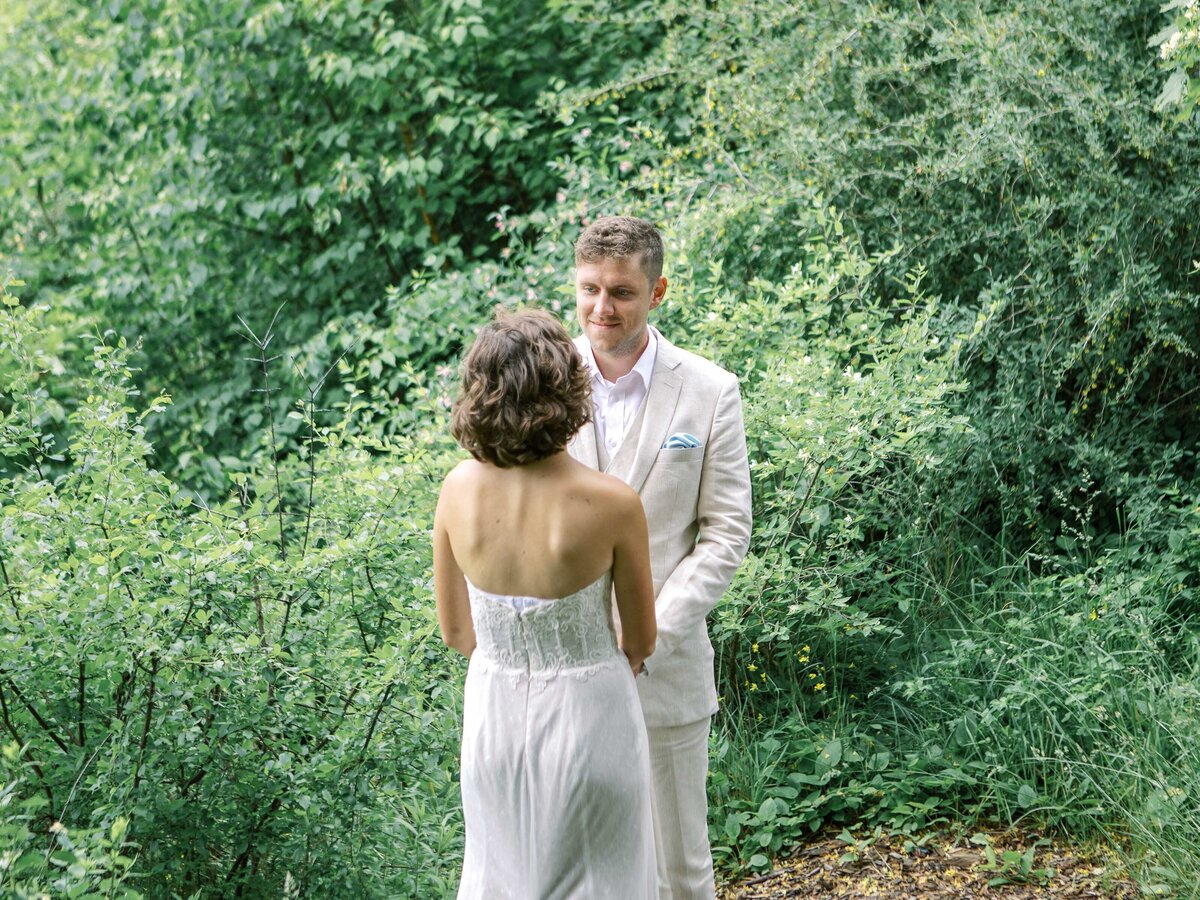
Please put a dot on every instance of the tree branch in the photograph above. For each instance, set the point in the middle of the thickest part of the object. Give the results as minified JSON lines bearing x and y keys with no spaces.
{"x":145,"y":738}
{"x":37,"y":717}
{"x":9,"y":589}
{"x":37,"y":770}
{"x":82,"y":683}
{"x":375,"y":721}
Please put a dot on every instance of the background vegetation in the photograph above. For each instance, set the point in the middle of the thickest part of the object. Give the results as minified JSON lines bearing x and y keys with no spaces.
{"x":951,"y":251}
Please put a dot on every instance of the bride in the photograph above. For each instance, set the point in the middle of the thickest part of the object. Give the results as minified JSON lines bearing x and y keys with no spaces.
{"x":528,"y":548}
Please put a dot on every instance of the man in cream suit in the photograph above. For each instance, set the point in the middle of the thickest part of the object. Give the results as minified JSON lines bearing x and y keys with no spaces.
{"x":669,"y":424}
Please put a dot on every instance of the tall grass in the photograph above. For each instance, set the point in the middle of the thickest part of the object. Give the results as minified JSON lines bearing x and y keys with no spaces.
{"x":1053,"y":694}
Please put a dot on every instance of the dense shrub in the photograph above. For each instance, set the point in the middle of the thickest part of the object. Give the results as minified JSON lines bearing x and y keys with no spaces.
{"x":173,"y":165}
{"x":252,"y":689}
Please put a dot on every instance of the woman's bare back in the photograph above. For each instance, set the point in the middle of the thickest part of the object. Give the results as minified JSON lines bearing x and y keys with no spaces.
{"x":542,"y":530}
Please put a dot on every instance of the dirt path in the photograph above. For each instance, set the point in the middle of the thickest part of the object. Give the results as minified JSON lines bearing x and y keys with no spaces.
{"x":941,"y":868}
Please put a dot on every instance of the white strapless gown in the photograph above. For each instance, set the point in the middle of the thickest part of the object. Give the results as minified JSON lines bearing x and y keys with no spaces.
{"x":555,"y":764}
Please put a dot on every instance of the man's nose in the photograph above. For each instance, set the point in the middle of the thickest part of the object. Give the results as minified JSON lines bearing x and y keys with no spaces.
{"x":603,"y":303}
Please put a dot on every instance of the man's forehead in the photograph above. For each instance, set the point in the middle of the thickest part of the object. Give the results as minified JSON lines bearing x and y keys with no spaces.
{"x":633,"y":264}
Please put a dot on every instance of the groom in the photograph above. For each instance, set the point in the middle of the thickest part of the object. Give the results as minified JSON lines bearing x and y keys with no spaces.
{"x":669,"y":424}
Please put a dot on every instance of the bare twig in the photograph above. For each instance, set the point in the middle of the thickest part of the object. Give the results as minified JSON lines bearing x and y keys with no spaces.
{"x":37,"y":769}
{"x":37,"y":717}
{"x":9,"y":589}
{"x":82,"y":684}
{"x":145,"y":738}
{"x":383,"y":702}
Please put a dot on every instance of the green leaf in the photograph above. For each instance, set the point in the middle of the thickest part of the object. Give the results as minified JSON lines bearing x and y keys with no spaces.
{"x":830,"y":755}
{"x":1173,"y":90}
{"x":1027,"y":796}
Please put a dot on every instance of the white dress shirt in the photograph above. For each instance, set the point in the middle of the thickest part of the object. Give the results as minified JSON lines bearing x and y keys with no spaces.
{"x":615,"y":404}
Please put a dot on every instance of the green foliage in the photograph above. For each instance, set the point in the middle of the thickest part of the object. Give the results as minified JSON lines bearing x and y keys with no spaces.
{"x":1012,"y":866}
{"x":85,"y":864}
{"x":183,"y":162}
{"x":1179,"y":50}
{"x":255,"y":685}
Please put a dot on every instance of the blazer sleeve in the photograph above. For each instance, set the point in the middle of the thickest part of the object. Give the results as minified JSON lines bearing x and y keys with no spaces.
{"x":723,"y":513}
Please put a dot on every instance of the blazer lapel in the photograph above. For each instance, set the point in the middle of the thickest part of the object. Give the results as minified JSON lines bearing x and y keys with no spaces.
{"x":582,"y":446}
{"x":660,"y":410}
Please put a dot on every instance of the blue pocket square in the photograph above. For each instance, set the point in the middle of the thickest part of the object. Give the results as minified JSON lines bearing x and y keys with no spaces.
{"x":681,"y":440}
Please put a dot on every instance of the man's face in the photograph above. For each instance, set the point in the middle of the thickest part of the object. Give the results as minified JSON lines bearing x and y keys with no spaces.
{"x":612,"y":299}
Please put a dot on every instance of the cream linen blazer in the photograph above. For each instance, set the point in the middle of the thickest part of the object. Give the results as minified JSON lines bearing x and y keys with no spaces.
{"x":697,"y":503}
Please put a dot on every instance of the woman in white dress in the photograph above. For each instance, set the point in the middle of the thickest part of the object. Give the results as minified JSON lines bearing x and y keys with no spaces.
{"x":529,"y":548}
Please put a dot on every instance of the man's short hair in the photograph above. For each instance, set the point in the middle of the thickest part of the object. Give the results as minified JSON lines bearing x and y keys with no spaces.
{"x":525,"y":391}
{"x":622,"y":237}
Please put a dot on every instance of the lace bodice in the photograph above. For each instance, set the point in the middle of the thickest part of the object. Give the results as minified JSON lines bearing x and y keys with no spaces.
{"x":533,"y":637}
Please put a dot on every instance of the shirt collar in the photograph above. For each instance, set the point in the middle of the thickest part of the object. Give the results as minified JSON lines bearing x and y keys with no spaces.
{"x":643,"y":368}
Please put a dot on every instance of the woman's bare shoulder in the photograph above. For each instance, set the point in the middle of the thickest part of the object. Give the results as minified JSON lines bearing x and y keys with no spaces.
{"x":463,"y":477}
{"x":612,"y":493}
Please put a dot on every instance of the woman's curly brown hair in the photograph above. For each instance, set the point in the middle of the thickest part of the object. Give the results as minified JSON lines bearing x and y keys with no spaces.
{"x":525,"y":391}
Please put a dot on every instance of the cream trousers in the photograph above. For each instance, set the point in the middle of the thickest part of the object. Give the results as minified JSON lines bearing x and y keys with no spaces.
{"x":679,"y":772}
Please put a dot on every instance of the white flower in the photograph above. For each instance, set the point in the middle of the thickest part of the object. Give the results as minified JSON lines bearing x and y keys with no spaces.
{"x":1171,"y":45}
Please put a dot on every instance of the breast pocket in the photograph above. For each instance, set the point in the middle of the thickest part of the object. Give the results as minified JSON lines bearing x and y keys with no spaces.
{"x":680,"y":459}
{"x":673,"y":488}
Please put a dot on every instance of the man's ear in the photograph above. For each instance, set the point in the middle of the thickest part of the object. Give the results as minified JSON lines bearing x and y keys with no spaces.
{"x":658,"y":292}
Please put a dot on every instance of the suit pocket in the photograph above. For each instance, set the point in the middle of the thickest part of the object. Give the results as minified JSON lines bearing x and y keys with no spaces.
{"x":672,"y":491}
{"x":679,"y":457}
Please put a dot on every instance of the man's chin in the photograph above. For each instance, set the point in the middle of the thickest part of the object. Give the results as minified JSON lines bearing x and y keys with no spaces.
{"x":612,"y":344}
{"x":603,"y":340}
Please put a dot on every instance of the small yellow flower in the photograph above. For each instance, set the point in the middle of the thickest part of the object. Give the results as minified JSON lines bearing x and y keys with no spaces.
{"x":754,"y":648}
{"x":812,"y":674}
{"x":806,"y":648}
{"x":763,"y":676}
{"x":1093,"y":615}
{"x":754,"y":687}
{"x":819,"y":686}
{"x":752,"y":667}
